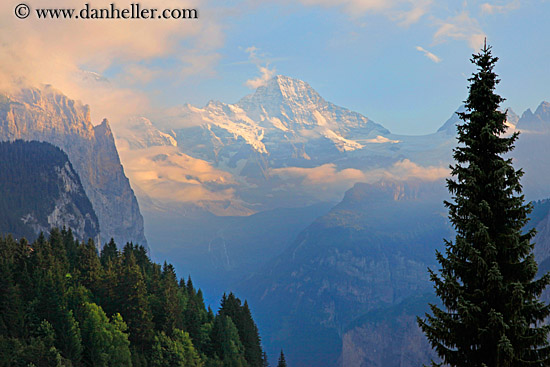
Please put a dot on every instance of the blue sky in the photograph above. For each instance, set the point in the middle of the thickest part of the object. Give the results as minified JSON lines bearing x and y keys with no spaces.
{"x":402,"y":63}
{"x":369,"y":62}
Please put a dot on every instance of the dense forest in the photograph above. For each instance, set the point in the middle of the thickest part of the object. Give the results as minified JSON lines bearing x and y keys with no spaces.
{"x":63,"y":304}
{"x":38,"y":185}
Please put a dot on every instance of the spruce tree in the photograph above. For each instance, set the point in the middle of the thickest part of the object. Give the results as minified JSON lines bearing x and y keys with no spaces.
{"x":282,"y":360}
{"x":492,"y":315}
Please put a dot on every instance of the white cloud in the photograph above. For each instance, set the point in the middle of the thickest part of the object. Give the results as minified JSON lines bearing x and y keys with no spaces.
{"x":407,"y":170}
{"x":405,"y":12}
{"x":38,"y":51}
{"x":381,"y":140}
{"x":326,"y":182}
{"x":261,"y":80}
{"x":461,"y":27}
{"x":488,"y":8}
{"x":406,"y":18}
{"x":166,"y":174}
{"x":353,"y":7}
{"x":263,"y":67}
{"x":428,"y":54}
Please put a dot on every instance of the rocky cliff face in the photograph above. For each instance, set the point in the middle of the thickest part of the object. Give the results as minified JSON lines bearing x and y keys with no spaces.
{"x":47,"y":115}
{"x":40,"y":190}
{"x":369,"y":252}
{"x":389,"y":337}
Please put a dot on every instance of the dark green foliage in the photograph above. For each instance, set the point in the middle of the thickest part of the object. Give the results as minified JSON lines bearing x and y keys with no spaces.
{"x":105,"y":343}
{"x":226,"y":345}
{"x":282,"y":361}
{"x":30,"y":185}
{"x":109,"y":253}
{"x":133,"y":304}
{"x":491,"y":316}
{"x":63,"y":304}
{"x":38,"y":350}
{"x":176,"y":351}
{"x":172,"y":301}
{"x":88,"y":266}
{"x":248,"y":331}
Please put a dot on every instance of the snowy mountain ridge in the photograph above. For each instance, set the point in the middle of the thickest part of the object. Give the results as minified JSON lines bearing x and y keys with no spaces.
{"x":285,"y":111}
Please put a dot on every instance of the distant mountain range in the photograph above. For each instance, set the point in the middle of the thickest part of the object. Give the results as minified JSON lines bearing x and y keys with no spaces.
{"x":284,"y":150}
{"x":282,"y":146}
{"x":324,"y":219}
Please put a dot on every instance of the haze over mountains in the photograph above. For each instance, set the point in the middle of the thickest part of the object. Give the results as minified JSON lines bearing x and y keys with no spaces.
{"x":323,"y":219}
{"x":284,"y":150}
{"x":256,"y":154}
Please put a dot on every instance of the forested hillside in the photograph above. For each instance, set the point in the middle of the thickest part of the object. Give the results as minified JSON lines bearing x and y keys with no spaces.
{"x":62,"y":304}
{"x":39,"y":189}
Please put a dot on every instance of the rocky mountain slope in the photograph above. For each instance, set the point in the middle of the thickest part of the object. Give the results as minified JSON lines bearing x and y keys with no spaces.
{"x":256,"y":154}
{"x":283,"y":149}
{"x":41,"y":190}
{"x":389,"y":336}
{"x":369,"y":252}
{"x":47,"y":115}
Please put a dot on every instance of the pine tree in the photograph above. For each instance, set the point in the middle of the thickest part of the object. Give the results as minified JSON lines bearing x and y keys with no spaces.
{"x":89,"y":267}
{"x":134,"y":305}
{"x":171,"y":303}
{"x":226,"y":344}
{"x":492,"y":316}
{"x":282,"y":360}
{"x":109,"y":252}
{"x":248,"y":331}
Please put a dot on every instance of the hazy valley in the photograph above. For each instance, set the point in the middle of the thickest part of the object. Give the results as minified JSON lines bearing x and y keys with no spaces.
{"x":322,"y":219}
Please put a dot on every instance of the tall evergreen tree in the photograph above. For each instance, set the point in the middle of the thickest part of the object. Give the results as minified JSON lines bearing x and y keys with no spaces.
{"x":492,"y":316}
{"x":172,"y":304}
{"x":109,"y":252}
{"x":282,"y":360}
{"x":248,"y":331}
{"x":88,"y":266}
{"x":226,"y":344}
{"x":134,"y":304}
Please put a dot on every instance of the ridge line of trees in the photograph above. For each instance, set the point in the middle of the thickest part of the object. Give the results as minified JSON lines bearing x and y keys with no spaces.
{"x":64,"y":305}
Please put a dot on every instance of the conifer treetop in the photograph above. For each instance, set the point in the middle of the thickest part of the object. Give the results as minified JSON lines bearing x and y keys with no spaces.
{"x":492,"y":314}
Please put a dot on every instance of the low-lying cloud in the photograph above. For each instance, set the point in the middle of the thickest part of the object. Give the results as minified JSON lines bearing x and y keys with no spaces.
{"x":166,"y":174}
{"x":327,"y":182}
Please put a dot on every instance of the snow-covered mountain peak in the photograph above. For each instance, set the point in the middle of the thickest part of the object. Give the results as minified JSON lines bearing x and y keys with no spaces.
{"x":293,"y":90}
{"x":283,"y":119}
{"x":286,"y":104}
{"x":283,"y":93}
